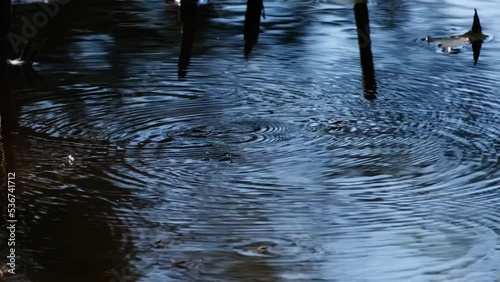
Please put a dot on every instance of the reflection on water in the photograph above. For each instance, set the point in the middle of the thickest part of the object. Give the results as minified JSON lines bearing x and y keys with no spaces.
{"x":270,"y":168}
{"x":188,"y":21}
{"x":454,"y":44}
{"x":365,"y":49}
{"x":251,"y":27}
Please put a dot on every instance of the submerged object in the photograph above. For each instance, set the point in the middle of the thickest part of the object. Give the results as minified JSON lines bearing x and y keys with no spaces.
{"x":453,"y":44}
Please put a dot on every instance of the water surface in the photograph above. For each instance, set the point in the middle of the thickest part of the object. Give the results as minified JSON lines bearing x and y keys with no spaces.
{"x":271,"y":168}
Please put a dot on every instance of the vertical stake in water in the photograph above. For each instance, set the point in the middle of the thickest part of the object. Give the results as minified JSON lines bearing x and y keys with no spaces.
{"x":365,"y":49}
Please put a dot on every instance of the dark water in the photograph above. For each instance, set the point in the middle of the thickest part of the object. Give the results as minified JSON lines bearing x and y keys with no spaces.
{"x":272,"y":168}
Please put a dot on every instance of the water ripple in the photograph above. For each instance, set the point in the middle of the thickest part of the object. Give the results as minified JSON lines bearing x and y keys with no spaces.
{"x":267,"y":168}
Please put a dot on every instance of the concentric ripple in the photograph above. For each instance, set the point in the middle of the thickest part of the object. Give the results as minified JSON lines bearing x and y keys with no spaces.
{"x":267,"y":168}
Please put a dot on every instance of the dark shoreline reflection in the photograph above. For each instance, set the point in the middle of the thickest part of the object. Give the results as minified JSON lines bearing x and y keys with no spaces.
{"x":71,"y":224}
{"x":365,"y":49}
{"x":76,"y":236}
{"x":7,"y":126}
{"x":67,"y":229}
{"x":7,"y":109}
{"x":5,"y":8}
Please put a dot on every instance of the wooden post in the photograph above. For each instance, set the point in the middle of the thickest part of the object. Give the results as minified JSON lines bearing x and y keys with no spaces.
{"x":365,"y":49}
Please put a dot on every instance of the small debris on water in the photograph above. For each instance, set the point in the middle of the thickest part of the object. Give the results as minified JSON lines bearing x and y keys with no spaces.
{"x":181,"y":264}
{"x":262,"y":249}
{"x":159,"y":245}
{"x":69,"y":161}
{"x":226,"y":157}
{"x":337,"y":125}
{"x":376,"y":199}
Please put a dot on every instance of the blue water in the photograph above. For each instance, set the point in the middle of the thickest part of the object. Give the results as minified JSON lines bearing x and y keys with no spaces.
{"x":271,"y":168}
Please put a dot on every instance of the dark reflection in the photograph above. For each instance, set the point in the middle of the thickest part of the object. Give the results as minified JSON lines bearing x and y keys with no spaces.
{"x":76,"y":236}
{"x":7,"y":126}
{"x":188,"y":10}
{"x":70,"y":229}
{"x":79,"y":26}
{"x":28,"y":52}
{"x":476,"y":50}
{"x":22,"y":67}
{"x":7,"y":107}
{"x":8,"y":122}
{"x":365,"y":49}
{"x":454,"y":44}
{"x":5,"y":8}
{"x":393,"y":14}
{"x":477,"y":37}
{"x":251,"y":28}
